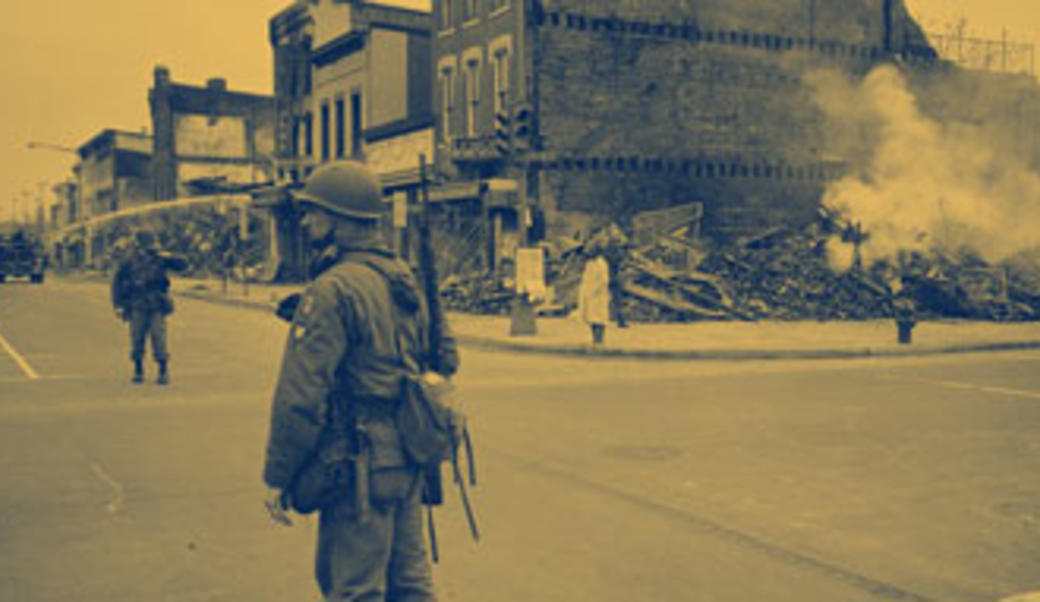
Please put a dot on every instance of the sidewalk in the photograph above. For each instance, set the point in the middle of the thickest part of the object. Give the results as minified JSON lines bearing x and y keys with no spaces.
{"x":699,"y":340}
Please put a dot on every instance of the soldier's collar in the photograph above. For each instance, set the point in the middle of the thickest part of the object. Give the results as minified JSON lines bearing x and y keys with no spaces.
{"x":370,"y":250}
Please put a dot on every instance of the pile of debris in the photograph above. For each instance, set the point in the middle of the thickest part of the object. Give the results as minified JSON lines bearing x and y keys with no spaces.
{"x":780,"y":274}
{"x":477,"y":293}
{"x":784,"y":275}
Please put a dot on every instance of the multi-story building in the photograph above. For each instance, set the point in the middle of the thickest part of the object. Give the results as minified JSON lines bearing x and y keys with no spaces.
{"x":114,"y":172}
{"x":64,"y":211}
{"x":598,"y":110}
{"x":208,"y":134}
{"x":290,"y":35}
{"x":352,"y":81}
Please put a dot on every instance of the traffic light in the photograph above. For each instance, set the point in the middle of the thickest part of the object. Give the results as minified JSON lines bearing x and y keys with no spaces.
{"x":502,"y":133}
{"x":522,"y":128}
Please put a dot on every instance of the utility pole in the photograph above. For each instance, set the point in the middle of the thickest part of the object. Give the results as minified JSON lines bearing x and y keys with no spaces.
{"x":812,"y":23}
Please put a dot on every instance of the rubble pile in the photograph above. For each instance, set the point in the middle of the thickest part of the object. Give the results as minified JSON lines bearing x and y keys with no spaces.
{"x":784,"y":275}
{"x":781,"y":274}
{"x":477,"y":293}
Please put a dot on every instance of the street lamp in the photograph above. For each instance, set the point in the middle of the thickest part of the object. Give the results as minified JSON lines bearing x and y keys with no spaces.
{"x":33,"y":145}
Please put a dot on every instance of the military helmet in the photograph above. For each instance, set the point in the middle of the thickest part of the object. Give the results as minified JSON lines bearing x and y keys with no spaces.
{"x":144,"y":238}
{"x":344,"y":188}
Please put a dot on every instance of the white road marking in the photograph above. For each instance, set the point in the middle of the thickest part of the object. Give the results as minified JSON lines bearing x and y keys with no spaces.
{"x":18,"y":359}
{"x":953,"y":384}
{"x":50,"y":377}
{"x":114,"y":505}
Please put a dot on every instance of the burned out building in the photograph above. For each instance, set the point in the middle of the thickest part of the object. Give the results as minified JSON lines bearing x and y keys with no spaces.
{"x":208,"y":134}
{"x":598,"y":111}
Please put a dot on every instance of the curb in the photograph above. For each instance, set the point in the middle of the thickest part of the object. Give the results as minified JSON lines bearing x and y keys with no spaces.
{"x":584,"y":351}
{"x":742,"y":354}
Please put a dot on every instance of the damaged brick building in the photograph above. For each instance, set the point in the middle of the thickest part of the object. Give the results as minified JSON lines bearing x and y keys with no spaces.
{"x":631,"y":106}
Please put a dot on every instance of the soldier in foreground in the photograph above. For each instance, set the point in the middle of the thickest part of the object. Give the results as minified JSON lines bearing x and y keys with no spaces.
{"x":359,"y":326}
{"x":140,"y":296}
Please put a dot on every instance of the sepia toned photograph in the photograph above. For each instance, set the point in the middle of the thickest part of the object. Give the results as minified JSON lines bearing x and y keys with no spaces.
{"x":511,"y":300}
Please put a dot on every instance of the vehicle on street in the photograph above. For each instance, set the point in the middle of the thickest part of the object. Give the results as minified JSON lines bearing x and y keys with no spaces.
{"x":22,"y":256}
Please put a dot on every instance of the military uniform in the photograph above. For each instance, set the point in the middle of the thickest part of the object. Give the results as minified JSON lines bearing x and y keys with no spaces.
{"x":140,"y":293}
{"x":350,"y":342}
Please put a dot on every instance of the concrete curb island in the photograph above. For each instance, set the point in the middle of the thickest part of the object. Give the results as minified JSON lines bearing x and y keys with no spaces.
{"x":468,"y":328}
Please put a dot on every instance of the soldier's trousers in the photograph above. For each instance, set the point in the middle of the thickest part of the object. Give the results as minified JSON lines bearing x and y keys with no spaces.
{"x":382,"y":557}
{"x":147,"y":324}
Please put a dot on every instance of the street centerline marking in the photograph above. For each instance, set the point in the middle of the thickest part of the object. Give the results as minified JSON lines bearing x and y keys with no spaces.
{"x":117,"y":501}
{"x":953,"y":384}
{"x":18,"y":359}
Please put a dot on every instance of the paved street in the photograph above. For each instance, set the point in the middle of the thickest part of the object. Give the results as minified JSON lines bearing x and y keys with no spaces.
{"x":611,"y":480}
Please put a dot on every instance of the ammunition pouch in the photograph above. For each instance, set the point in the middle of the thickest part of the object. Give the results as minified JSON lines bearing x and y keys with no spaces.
{"x":430,"y":429}
{"x":165,"y":304}
{"x":328,"y":475}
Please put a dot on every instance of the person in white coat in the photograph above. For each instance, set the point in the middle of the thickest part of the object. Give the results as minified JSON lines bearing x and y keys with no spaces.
{"x":594,"y":295}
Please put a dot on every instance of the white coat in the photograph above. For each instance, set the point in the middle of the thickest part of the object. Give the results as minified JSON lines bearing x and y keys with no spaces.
{"x":594,"y":292}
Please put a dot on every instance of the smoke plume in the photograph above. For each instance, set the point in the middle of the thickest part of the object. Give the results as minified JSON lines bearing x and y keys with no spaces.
{"x":916,"y":184}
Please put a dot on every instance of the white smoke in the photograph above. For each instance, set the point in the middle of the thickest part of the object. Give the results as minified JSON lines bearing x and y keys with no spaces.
{"x":917,"y":184}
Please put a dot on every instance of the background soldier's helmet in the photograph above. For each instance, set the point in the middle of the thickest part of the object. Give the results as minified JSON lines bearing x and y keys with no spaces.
{"x":144,"y":239}
{"x":344,"y":188}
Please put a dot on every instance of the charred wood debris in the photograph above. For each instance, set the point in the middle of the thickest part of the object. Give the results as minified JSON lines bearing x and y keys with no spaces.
{"x":778,"y":274}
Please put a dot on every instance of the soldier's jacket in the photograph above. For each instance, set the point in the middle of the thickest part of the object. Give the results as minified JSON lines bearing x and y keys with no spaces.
{"x":342,"y":346}
{"x":141,"y":281}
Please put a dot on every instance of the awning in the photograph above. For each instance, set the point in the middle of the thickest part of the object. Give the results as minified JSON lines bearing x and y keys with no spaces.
{"x":456,"y":191}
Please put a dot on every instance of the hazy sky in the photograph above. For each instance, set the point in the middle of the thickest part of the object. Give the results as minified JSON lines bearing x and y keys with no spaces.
{"x":71,"y":69}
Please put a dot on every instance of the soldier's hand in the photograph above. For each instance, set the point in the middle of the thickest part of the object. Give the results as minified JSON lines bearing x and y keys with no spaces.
{"x":275,"y":504}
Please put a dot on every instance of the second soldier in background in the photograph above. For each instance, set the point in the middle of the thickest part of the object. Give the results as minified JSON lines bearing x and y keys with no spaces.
{"x":140,"y":296}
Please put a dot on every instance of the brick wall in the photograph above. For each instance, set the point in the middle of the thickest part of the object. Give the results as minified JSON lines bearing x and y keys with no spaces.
{"x":661,"y":122}
{"x":651,"y":104}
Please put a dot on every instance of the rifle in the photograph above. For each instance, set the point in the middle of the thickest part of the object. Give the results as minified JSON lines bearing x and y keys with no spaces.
{"x":433,"y":490}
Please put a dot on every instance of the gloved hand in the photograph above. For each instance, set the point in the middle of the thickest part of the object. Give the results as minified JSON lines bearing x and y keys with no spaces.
{"x":275,"y":504}
{"x":287,"y":307}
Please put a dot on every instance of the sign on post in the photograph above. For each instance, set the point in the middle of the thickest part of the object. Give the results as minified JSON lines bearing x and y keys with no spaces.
{"x":530,"y":272}
{"x":400,"y":200}
{"x":243,"y":221}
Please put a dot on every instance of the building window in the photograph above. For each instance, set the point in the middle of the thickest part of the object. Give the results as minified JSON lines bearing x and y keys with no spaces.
{"x":341,"y":125}
{"x":308,"y":134}
{"x":324,"y":131}
{"x":445,"y":14}
{"x":500,"y":73}
{"x":472,"y":90}
{"x":447,"y":100}
{"x":295,"y":148}
{"x":355,"y":124}
{"x":470,"y":12}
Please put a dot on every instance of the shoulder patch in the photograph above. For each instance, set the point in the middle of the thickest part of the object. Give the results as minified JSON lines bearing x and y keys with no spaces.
{"x":307,"y":305}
